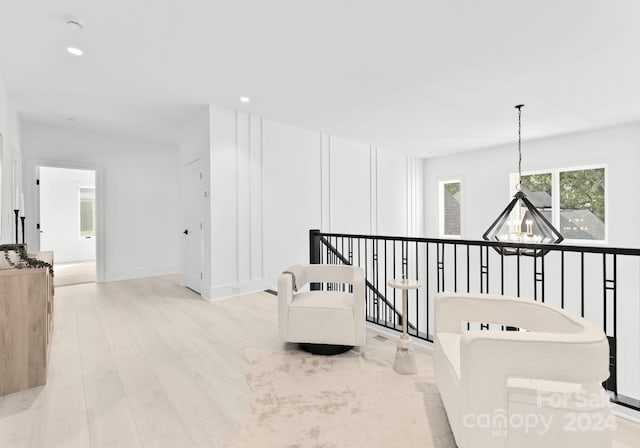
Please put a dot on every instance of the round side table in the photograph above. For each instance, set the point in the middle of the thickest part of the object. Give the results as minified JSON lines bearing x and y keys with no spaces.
{"x":405,"y":361}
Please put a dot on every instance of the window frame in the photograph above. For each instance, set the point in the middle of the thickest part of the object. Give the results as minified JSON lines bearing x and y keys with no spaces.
{"x":555,"y":197}
{"x":95,"y":231}
{"x":441,"y":211}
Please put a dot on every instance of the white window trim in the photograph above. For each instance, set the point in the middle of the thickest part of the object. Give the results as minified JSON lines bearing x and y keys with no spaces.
{"x":95,"y":231}
{"x":555,"y":207}
{"x":441,"y":225}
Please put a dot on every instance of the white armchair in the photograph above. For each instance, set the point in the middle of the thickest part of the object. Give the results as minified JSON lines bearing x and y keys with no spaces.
{"x":521,"y":389}
{"x":322,"y":319}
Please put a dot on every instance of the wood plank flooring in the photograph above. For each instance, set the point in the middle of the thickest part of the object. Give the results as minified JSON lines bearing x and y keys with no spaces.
{"x":75,"y":272}
{"x":142,"y":363}
{"x":147,"y":363}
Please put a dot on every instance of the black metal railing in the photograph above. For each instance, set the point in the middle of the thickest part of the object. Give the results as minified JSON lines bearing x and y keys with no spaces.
{"x":586,"y":280}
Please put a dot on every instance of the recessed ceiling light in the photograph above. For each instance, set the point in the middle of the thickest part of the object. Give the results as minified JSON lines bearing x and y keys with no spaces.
{"x":245,"y":99}
{"x":75,"y":51}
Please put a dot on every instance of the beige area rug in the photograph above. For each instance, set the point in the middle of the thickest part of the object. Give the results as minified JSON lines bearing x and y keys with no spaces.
{"x":351,"y":400}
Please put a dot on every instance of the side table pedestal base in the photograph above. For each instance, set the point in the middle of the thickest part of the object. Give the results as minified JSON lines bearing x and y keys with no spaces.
{"x":405,"y":361}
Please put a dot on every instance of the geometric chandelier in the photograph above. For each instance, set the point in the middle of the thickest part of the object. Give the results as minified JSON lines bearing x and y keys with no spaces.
{"x":521,"y":221}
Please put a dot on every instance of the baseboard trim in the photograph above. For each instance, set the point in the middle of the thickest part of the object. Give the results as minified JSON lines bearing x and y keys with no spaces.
{"x":235,"y":289}
{"x":625,"y":412}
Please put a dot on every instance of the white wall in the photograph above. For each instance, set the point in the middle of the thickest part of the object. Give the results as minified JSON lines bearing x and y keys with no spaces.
{"x":140,"y":219}
{"x":270,"y":183}
{"x":485,"y":177}
{"x":225,"y":205}
{"x":195,"y":146}
{"x":292,"y":195}
{"x":350,"y":187}
{"x":10,"y":161}
{"x":60,"y":214}
{"x":485,"y":185}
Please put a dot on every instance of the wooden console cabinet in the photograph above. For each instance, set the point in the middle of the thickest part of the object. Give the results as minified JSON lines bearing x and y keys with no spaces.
{"x":26,"y":325}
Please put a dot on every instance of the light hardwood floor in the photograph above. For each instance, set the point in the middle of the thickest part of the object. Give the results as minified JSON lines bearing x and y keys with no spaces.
{"x":148,"y":363}
{"x":74,"y":273}
{"x":142,"y":363}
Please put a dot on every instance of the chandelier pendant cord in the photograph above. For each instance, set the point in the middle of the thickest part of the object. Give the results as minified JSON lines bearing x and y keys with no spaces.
{"x":519,"y":186}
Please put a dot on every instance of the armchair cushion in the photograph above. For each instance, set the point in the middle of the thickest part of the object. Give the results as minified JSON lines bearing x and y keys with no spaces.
{"x":332,"y":300}
{"x":322,"y":317}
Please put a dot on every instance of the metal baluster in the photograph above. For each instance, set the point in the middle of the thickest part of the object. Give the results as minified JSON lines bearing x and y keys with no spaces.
{"x":538,"y":277}
{"x":582,"y":284}
{"x":484,"y":280}
{"x":455,"y":268}
{"x":484,"y":269}
{"x":440,"y":265}
{"x":604,"y":292}
{"x":405,"y":274}
{"x":501,"y":272}
{"x":417,"y":294}
{"x":542,"y":278}
{"x":376,"y":274}
{"x":426,"y":270}
{"x":366,"y":277}
{"x":468,"y":278}
{"x":562,"y":279}
{"x":613,"y":342}
{"x":350,"y":246}
{"x":386,"y":290}
{"x":518,"y":275}
{"x":396,"y":320}
{"x":468,"y":270}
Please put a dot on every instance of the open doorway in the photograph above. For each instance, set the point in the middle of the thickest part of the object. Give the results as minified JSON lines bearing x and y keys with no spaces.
{"x":68,"y":222}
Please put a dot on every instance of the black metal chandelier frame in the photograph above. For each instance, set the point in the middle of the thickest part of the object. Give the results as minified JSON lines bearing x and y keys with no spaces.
{"x":533,"y":215}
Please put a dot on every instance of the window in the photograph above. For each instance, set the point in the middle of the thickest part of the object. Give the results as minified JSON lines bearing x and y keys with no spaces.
{"x":450,"y":208}
{"x":573,"y":200}
{"x":538,"y":188}
{"x":87,"y":212}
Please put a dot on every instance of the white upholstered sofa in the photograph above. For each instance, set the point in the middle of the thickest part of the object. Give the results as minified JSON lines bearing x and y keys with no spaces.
{"x":520,"y":389}
{"x":322,"y":317}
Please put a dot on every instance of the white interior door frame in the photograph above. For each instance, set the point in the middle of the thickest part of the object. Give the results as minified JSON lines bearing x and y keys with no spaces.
{"x":32,"y":198}
{"x":192,"y":201}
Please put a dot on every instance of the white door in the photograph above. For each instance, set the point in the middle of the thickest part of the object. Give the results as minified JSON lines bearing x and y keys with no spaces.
{"x":193,"y":200}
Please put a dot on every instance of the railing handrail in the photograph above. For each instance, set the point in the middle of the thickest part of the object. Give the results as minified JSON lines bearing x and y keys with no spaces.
{"x":546,"y":247}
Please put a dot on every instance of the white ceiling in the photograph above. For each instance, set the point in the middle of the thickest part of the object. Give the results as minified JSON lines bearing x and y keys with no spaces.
{"x":426,"y":77}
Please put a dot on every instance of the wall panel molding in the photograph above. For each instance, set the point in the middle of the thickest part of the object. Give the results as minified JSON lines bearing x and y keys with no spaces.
{"x":344,"y":186}
{"x":373,"y":187}
{"x":256,"y":209}
{"x":325,"y":183}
